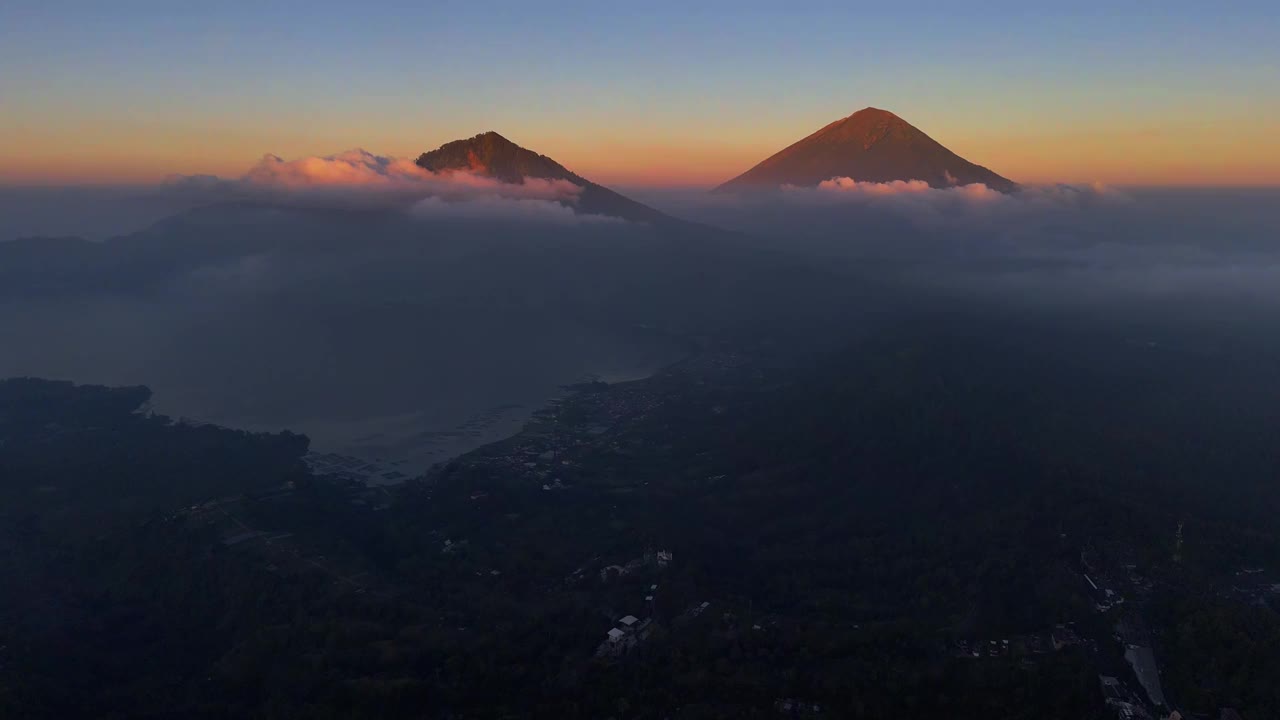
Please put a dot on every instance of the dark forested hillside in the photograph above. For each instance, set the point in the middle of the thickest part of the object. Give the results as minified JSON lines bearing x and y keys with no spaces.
{"x":922,"y":525}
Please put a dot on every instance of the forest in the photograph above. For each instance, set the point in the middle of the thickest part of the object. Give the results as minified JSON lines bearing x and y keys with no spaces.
{"x":847,"y":521}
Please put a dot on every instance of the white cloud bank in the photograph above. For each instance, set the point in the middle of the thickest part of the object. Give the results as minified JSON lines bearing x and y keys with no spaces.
{"x":358,"y":178}
{"x":918,"y":195}
{"x":351,"y":168}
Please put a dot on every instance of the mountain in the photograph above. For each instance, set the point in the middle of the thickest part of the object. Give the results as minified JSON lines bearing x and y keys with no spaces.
{"x":871,"y":145}
{"x":494,"y":156}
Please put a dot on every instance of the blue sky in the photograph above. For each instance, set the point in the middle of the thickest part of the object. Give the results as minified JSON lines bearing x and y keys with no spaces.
{"x":655,"y":89}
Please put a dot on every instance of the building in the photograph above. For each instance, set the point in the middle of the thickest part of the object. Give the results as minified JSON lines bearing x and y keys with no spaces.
{"x":1144,"y":666}
{"x":1064,"y":636}
{"x":631,"y":631}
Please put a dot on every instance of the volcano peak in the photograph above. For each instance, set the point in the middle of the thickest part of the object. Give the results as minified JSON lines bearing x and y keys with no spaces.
{"x":871,"y":145}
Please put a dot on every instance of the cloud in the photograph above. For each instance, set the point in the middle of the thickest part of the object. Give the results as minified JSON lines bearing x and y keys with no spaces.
{"x":360,"y":170}
{"x":241,"y":275}
{"x":194,"y":182}
{"x":354,"y":168}
{"x":895,"y":216}
{"x":504,"y":209}
{"x":358,"y":178}
{"x":918,"y":194}
{"x":913,"y":195}
{"x":844,"y":184}
{"x":1066,"y":241}
{"x":1072,"y":243}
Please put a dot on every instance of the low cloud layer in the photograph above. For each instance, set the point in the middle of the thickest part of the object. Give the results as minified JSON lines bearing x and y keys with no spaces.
{"x":358,"y":178}
{"x":874,"y":216}
{"x":913,"y":200}
{"x":376,"y":314}
{"x":845,"y":184}
{"x":1064,"y":241}
{"x":505,"y":209}
{"x":917,"y":197}
{"x":354,"y":168}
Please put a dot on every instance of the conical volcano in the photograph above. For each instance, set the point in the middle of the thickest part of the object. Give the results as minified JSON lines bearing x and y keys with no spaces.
{"x":871,"y":145}
{"x":494,"y":156}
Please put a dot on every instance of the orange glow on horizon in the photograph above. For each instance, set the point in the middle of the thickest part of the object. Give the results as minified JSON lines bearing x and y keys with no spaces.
{"x":1115,"y":156}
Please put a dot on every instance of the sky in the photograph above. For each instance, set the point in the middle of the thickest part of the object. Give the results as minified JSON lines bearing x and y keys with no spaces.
{"x":660,"y":93}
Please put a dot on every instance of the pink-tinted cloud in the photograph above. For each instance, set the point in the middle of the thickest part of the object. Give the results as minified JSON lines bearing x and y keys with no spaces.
{"x":362,"y":179}
{"x":976,"y":192}
{"x":844,"y":184}
{"x":360,"y":170}
{"x":356,"y":168}
{"x":918,"y":199}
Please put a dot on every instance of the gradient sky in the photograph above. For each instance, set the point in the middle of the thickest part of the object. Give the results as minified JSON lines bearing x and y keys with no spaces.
{"x":659,"y":92}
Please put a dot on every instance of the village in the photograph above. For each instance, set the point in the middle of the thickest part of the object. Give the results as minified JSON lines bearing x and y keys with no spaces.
{"x":552,"y":457}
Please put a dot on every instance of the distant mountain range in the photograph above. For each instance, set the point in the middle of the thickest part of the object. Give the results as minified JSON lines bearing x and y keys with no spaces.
{"x":491,"y":155}
{"x":871,"y":145}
